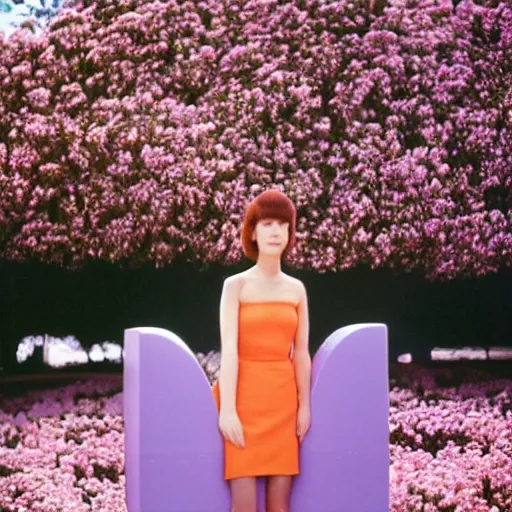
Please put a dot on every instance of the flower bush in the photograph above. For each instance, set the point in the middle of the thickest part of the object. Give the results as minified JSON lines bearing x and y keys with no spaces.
{"x":137,"y":132}
{"x":450,"y":448}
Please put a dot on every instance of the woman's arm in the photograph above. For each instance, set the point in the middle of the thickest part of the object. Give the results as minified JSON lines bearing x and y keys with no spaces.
{"x":228,"y":375}
{"x":301,"y":357}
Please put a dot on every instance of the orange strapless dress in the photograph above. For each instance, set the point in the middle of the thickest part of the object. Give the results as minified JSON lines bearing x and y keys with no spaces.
{"x":267,"y":398}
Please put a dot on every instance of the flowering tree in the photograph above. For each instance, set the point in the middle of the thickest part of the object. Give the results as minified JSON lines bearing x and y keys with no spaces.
{"x":138,"y":131}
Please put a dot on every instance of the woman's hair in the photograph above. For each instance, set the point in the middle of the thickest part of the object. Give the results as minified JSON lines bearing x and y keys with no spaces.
{"x":269,"y":204}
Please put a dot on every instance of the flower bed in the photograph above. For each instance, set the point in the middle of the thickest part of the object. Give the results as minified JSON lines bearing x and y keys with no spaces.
{"x":451,"y":449}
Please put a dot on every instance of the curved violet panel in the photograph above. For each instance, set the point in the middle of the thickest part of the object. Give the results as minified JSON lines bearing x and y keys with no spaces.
{"x":344,"y":459}
{"x":173,"y":447}
{"x":174,"y":450}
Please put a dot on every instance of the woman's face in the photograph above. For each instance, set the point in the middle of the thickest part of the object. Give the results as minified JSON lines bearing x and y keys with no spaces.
{"x":271,"y":235}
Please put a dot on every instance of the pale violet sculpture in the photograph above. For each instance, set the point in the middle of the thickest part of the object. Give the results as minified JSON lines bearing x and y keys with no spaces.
{"x":174,"y":450}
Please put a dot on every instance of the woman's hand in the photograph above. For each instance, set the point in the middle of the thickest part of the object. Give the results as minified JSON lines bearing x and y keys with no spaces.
{"x":303,"y":421}
{"x":231,"y":428}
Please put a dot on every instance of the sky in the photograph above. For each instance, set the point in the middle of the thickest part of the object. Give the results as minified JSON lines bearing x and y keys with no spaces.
{"x":15,"y":16}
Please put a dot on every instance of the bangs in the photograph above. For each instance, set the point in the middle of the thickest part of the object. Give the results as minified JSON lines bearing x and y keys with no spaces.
{"x":277,"y":207}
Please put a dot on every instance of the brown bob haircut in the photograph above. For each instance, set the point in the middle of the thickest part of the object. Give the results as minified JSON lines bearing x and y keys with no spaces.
{"x":271,"y":204}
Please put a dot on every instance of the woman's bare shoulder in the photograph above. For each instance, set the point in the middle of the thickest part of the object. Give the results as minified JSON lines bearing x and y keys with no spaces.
{"x":296,"y":283}
{"x":236,"y":280}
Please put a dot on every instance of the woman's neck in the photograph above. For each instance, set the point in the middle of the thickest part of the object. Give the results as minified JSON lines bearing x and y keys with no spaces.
{"x":269,"y":266}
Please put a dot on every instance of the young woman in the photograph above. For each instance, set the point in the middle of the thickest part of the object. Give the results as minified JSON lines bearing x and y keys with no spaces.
{"x":263,"y":391}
